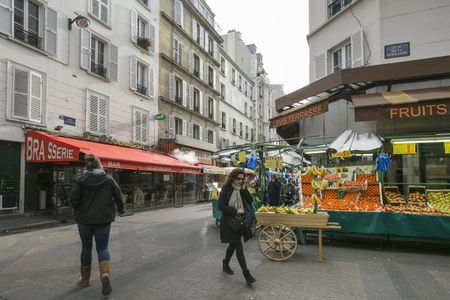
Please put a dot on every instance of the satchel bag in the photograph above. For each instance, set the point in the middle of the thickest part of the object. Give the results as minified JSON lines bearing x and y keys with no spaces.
{"x":240,"y":222}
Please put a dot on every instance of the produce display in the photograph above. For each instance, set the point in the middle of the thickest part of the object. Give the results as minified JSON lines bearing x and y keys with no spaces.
{"x":414,"y":209}
{"x":393,"y":196}
{"x":368,"y":177}
{"x":286,"y":210}
{"x":353,"y":183}
{"x":440,"y":201}
{"x":417,"y":198}
{"x":332,"y":177}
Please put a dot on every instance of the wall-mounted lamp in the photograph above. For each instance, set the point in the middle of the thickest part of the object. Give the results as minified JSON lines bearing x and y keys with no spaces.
{"x":80,"y":20}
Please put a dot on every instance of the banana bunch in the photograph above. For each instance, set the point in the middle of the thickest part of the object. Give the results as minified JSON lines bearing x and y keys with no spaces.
{"x":285,"y":210}
{"x":315,"y":171}
{"x":315,"y":198}
{"x":320,"y":185}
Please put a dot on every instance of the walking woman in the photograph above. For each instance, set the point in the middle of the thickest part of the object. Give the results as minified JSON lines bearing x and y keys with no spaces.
{"x":92,"y":199}
{"x":234,"y":200}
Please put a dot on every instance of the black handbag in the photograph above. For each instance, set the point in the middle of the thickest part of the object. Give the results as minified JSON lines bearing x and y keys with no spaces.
{"x":240,"y":222}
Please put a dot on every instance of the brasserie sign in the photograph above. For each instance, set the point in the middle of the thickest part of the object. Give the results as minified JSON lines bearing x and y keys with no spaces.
{"x":300,"y":114}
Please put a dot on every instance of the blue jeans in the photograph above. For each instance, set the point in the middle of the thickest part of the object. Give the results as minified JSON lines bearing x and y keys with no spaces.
{"x":101,"y":235}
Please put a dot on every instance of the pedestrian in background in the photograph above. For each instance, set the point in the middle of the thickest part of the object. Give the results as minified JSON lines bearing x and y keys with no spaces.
{"x":92,"y":197}
{"x":274,"y":190}
{"x":234,"y":200}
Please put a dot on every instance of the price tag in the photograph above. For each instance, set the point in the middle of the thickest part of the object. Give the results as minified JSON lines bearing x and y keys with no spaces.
{"x":274,"y":162}
{"x":404,"y":149}
{"x":447,"y":147}
{"x":242,"y":157}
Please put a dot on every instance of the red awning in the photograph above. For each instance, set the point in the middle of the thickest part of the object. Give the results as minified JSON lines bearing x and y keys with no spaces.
{"x":43,"y":147}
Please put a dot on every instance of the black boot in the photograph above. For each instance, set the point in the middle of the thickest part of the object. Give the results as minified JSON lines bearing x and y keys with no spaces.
{"x":226,"y":267}
{"x":248,"y":277}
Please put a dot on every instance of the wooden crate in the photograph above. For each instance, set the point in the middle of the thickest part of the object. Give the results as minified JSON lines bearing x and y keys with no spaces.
{"x":414,"y":189}
{"x":318,"y":220}
{"x":394,"y":189}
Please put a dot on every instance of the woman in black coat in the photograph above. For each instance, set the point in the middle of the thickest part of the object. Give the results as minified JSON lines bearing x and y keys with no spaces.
{"x":234,"y":199}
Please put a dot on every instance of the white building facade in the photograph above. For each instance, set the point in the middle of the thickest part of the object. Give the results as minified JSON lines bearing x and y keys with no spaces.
{"x":97,"y":81}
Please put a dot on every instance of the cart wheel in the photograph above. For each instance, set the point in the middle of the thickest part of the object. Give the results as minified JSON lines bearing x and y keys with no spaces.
{"x":277,"y":242}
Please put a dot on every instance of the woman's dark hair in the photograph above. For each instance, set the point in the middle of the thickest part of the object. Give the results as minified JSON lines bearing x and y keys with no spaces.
{"x":92,"y":162}
{"x":233,"y":175}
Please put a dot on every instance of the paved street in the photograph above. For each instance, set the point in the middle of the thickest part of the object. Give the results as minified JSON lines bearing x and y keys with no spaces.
{"x":176,"y":254}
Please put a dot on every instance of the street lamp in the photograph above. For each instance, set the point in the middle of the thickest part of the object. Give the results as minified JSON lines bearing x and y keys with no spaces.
{"x":80,"y":20}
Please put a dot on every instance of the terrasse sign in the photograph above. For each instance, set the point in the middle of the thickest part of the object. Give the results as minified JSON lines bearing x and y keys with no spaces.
{"x":39,"y":148}
{"x":300,"y":114}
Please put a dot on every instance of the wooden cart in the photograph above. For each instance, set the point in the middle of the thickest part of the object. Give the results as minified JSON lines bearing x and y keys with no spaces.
{"x":277,"y":240}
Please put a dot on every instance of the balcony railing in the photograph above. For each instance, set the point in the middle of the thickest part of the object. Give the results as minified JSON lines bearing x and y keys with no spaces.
{"x":141,"y":89}
{"x":29,"y":38}
{"x":336,"y":6}
{"x":98,"y":69}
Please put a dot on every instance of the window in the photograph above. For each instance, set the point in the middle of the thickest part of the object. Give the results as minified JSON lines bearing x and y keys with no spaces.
{"x":140,"y":126}
{"x":241,"y":129}
{"x":251,"y":92}
{"x":342,"y":58}
{"x":98,"y":57}
{"x":97,"y":113}
{"x":196,"y":132}
{"x":27,"y":94}
{"x":222,"y":65}
{"x":222,"y":91}
{"x":245,"y":108}
{"x":233,"y":76}
{"x":142,"y":81}
{"x":210,"y":136}
{"x":178,"y":12}
{"x":177,"y":51}
{"x":240,"y":82}
{"x":234,"y":125}
{"x":335,"y":6}
{"x":197,"y":31}
{"x":224,"y":120}
{"x":252,"y":134}
{"x":210,"y":46}
{"x":210,"y":76}
{"x":101,"y":10}
{"x":142,"y":32}
{"x":245,"y":87}
{"x":178,"y":90}
{"x":210,"y":108}
{"x":196,"y":69}
{"x":178,"y":126}
{"x":246,"y":132}
{"x":196,"y":100}
{"x":26,"y":23}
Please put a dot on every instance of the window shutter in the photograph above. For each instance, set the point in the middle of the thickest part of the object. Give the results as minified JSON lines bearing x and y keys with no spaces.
{"x":200,"y":103}
{"x":216,"y":51}
{"x":206,"y":41}
{"x":200,"y":67}
{"x":205,"y":134}
{"x":320,"y":65}
{"x":202,"y":37}
{"x":205,"y":105}
{"x":6,"y":17}
{"x":172,"y":87}
{"x":214,"y":79}
{"x":113,"y":62}
{"x":200,"y":133}
{"x":184,"y":129}
{"x":171,"y":127}
{"x":185,"y":96}
{"x":191,"y":98}
{"x":93,"y":113}
{"x":137,"y":125}
{"x":180,"y":53}
{"x":230,"y":123}
{"x":152,"y":33}
{"x":194,"y":30}
{"x":191,"y":129}
{"x":102,"y":115}
{"x":226,"y":121}
{"x":134,"y":25}
{"x":179,"y":12}
{"x":85,"y":52}
{"x":94,"y":7}
{"x":205,"y":72}
{"x":214,"y":110}
{"x":144,"y":130}
{"x":151,"y":84}
{"x":133,"y":73}
{"x":35,"y":97}
{"x":357,"y":49}
{"x":21,"y":92}
{"x":104,"y":11}
{"x":191,"y":61}
{"x":51,"y":31}
{"x":175,"y":49}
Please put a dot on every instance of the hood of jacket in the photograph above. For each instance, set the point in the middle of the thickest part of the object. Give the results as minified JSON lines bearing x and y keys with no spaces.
{"x":94,"y":179}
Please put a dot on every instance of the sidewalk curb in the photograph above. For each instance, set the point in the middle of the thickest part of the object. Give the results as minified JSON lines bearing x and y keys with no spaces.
{"x":31,"y":226}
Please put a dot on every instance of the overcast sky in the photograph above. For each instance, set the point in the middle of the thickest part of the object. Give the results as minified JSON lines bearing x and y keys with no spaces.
{"x":278,"y":28}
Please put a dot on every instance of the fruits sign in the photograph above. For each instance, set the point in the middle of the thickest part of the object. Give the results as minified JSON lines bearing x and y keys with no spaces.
{"x":404,"y":149}
{"x":274,"y":162}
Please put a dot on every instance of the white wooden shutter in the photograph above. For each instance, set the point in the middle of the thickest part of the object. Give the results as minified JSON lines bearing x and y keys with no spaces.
{"x":216,"y":52}
{"x":320,"y":65}
{"x":6,"y":17}
{"x":191,"y":61}
{"x":152,"y":33}
{"x":205,"y":72}
{"x":171,"y":127}
{"x":133,"y":73}
{"x":172,"y":87}
{"x":35,"y":97}
{"x":190,"y":129}
{"x":137,"y":125}
{"x":200,"y":133}
{"x":134,"y":17}
{"x":205,"y":105}
{"x":202,"y":37}
{"x":200,"y":67}
{"x":85,"y":52}
{"x":194,"y":30}
{"x":179,"y":12}
{"x":184,"y":129}
{"x":191,"y":98}
{"x":214,"y":110}
{"x":113,"y":62}
{"x":102,"y":115}
{"x":214,"y":79}
{"x":21,"y":92}
{"x":51,"y":31}
{"x":357,"y":44}
{"x":206,"y":41}
{"x":185,"y":96}
{"x":180,"y":53}
{"x":175,"y":49}
{"x":200,"y":102}
{"x":151,"y":83}
{"x":144,"y":129}
{"x":93,"y":113}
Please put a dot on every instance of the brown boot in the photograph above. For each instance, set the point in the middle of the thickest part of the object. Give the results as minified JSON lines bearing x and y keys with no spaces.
{"x":85,"y":276}
{"x":105,"y":277}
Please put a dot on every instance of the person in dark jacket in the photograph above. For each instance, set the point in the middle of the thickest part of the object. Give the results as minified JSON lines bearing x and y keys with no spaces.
{"x":233,"y":200}
{"x":274,"y":190}
{"x":92,"y":199}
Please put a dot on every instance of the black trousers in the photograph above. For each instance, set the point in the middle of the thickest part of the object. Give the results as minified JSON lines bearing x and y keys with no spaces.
{"x":239,"y":254}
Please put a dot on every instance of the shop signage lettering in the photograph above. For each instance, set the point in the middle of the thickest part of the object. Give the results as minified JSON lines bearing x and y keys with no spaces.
{"x":404,"y":149}
{"x":307,"y":112}
{"x":447,"y":147}
{"x":424,"y":110}
{"x":113,"y":164}
{"x":41,"y":150}
{"x":274,"y":162}
{"x":345,"y":153}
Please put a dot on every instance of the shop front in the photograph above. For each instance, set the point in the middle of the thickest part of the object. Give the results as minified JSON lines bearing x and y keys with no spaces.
{"x":9,"y":176}
{"x":147,"y":179}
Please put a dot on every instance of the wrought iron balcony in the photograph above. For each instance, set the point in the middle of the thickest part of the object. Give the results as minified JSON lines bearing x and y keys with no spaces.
{"x":29,"y":38}
{"x":141,"y":89}
{"x":98,"y":69}
{"x":336,"y":6}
